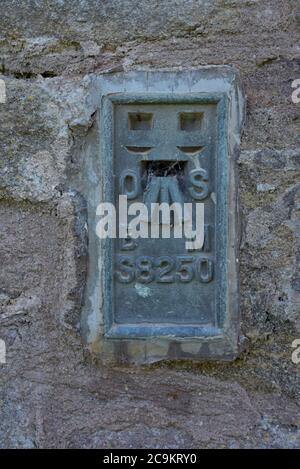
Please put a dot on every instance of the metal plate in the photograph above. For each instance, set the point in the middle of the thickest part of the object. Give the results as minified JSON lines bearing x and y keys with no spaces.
{"x":167,"y":151}
{"x":167,"y":136}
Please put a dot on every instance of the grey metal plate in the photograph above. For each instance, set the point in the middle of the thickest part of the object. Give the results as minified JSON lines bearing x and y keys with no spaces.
{"x":151,"y":299}
{"x":160,"y":288}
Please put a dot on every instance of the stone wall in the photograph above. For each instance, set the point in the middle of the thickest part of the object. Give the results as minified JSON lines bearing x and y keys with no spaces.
{"x":53,"y":390}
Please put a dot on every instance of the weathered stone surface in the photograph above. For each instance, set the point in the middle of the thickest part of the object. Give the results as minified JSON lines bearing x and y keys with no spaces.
{"x":53,"y":392}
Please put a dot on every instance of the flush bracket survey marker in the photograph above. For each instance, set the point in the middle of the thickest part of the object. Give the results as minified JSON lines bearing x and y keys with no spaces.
{"x":170,"y":137}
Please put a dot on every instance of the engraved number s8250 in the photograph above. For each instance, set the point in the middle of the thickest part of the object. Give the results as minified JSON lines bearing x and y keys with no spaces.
{"x":163,"y":269}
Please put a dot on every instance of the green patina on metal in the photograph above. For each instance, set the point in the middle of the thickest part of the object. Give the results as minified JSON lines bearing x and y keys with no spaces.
{"x":161,"y":301}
